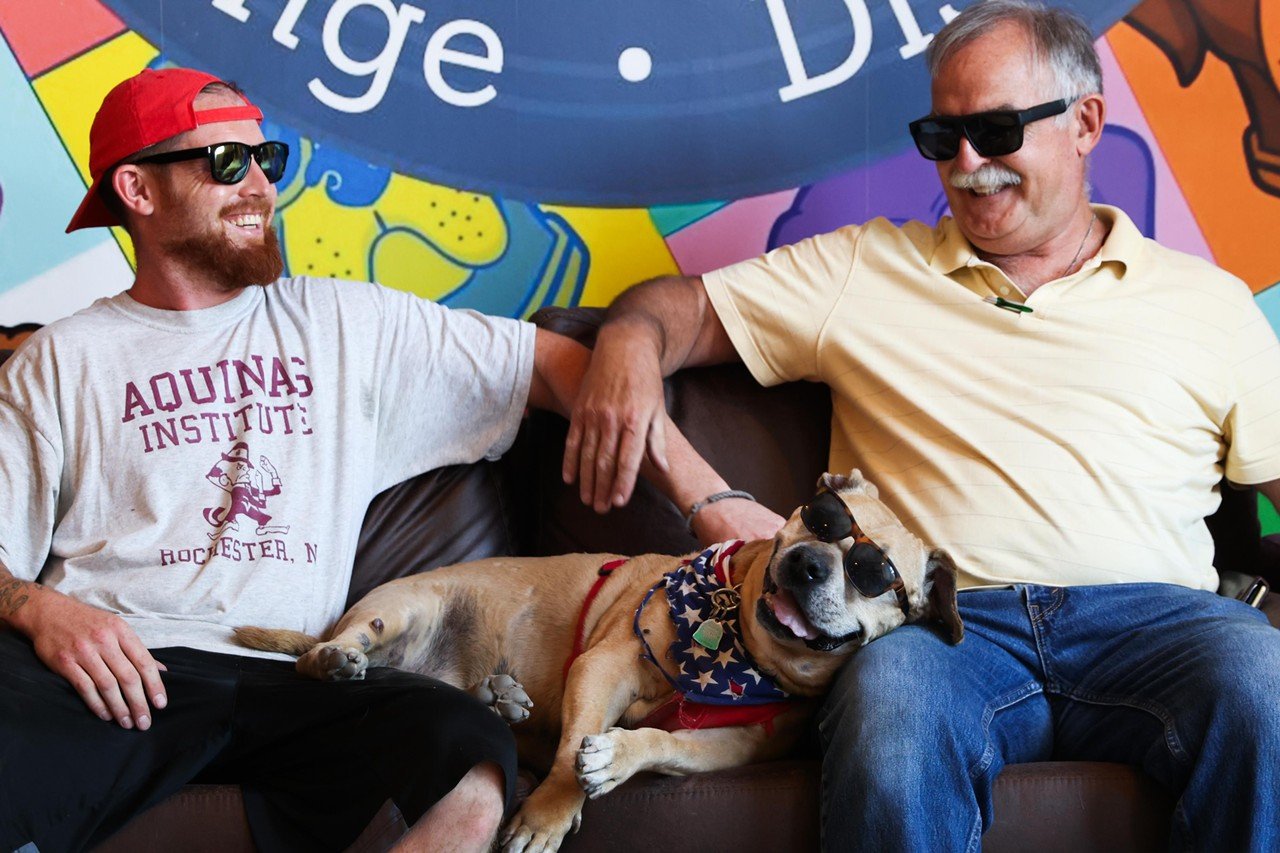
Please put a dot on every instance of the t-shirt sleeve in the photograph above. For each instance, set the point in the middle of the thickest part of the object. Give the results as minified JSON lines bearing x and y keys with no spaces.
{"x":30,"y":466}
{"x":1252,"y":427}
{"x":453,"y":385}
{"x":775,"y":307}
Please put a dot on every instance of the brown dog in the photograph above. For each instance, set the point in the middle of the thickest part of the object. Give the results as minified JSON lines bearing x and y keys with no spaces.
{"x":796,"y":611}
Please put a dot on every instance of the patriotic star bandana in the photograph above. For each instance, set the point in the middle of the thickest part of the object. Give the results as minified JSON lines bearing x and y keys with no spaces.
{"x":714,"y":665}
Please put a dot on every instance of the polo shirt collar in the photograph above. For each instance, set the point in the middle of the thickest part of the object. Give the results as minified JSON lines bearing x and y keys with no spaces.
{"x":1123,"y":245}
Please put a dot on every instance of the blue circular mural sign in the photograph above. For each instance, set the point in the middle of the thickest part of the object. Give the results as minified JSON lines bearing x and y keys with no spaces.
{"x":587,"y":102}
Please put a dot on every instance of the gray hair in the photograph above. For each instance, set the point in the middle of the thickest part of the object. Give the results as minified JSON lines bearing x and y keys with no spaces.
{"x":1058,"y":35}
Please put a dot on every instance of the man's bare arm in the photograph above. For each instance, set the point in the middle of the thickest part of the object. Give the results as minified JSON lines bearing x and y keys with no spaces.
{"x":650,"y":331}
{"x":559,"y":367}
{"x":95,"y":651}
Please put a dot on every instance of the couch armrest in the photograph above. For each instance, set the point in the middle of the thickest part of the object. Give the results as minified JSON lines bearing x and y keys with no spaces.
{"x":1269,"y":560}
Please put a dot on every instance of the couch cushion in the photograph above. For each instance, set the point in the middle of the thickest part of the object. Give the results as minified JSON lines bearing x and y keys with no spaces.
{"x":1048,"y":806}
{"x":450,"y":515}
{"x":211,"y":819}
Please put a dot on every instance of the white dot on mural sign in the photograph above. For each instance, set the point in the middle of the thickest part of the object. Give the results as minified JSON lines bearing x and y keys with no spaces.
{"x":635,"y":64}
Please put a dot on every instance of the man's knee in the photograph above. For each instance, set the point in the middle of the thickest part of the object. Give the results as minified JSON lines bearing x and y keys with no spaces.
{"x":436,"y":732}
{"x":1244,"y":681}
{"x":893,"y":705}
{"x":897,"y":680}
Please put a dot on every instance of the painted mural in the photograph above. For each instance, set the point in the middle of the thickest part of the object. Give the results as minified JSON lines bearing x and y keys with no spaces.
{"x":506,"y":155}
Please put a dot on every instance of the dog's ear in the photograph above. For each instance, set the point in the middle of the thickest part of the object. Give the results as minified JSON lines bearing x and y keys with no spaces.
{"x":835,"y":482}
{"x":941,"y":604}
{"x":838,"y":483}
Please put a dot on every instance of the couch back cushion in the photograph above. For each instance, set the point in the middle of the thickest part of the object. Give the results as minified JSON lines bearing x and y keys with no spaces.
{"x":451,"y":515}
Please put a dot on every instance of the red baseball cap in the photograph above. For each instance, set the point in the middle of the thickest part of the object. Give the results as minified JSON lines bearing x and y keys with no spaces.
{"x":147,"y":108}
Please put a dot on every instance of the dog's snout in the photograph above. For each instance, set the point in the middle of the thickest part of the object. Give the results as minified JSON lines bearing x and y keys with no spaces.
{"x":804,"y":567}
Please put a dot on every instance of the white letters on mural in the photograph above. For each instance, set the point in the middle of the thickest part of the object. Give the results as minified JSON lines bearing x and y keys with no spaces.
{"x":801,"y":83}
{"x":916,"y":40}
{"x":438,"y":52}
{"x":283,"y":32}
{"x":381,"y":66}
{"x":234,"y":8}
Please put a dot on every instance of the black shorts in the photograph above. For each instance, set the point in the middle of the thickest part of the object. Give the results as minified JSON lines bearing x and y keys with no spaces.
{"x":316,"y":760}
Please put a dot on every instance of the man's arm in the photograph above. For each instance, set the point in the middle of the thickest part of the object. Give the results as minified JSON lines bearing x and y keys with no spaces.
{"x":650,"y":331}
{"x":560,"y":368}
{"x":95,"y":651}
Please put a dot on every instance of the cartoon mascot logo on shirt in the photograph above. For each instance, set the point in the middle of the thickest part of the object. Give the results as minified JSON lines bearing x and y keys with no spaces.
{"x":248,"y":487}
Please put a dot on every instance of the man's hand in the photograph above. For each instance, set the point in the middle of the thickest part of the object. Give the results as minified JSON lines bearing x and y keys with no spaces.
{"x":619,"y":415}
{"x":735,"y":518}
{"x":98,"y":654}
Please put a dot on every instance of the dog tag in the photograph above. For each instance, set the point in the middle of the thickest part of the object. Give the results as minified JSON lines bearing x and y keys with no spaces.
{"x":709,"y":634}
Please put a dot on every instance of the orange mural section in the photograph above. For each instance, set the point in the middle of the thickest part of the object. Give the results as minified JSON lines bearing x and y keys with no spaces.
{"x":1203,"y":130}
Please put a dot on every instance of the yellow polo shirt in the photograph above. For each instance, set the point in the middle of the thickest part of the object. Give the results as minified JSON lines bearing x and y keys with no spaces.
{"x":1081,"y":443}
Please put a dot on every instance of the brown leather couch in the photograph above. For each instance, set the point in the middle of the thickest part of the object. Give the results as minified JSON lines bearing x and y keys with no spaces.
{"x":772,"y":443}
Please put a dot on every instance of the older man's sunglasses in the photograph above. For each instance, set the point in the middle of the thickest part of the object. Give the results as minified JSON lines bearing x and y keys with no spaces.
{"x":867,"y":566}
{"x":229,"y":161}
{"x":994,"y":133}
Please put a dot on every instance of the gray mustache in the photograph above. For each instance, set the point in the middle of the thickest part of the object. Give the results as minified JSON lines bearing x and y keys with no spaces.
{"x":988,"y":177}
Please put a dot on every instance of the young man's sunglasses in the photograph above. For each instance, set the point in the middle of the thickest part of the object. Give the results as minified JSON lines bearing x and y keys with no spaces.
{"x":868,"y":567}
{"x":994,"y":133}
{"x":229,"y":161}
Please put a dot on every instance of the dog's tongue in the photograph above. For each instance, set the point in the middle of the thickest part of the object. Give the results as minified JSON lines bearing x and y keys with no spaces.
{"x":789,"y":614}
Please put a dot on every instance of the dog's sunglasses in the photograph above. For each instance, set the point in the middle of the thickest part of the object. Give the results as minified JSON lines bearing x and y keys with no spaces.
{"x":229,"y":161}
{"x":994,"y":133}
{"x":867,"y":566}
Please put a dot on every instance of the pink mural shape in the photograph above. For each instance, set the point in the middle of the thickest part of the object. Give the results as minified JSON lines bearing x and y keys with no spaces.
{"x":734,"y":233}
{"x":43,"y":34}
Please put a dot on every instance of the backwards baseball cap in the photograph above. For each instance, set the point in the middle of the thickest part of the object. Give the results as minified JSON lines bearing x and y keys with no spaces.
{"x":147,"y":108}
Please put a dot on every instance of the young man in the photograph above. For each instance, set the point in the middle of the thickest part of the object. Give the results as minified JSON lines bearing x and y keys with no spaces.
{"x":197,"y":453}
{"x":1052,"y":398}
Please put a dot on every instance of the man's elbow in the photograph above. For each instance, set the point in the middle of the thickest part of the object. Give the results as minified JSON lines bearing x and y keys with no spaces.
{"x":558,"y":366}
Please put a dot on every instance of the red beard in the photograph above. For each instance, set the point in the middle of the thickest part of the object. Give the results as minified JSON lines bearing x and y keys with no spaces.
{"x":233,"y":267}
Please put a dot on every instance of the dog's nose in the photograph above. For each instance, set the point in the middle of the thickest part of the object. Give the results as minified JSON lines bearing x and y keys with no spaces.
{"x":803,"y":567}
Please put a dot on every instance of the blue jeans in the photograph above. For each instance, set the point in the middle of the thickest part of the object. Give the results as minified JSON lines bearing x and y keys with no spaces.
{"x":1184,"y":683}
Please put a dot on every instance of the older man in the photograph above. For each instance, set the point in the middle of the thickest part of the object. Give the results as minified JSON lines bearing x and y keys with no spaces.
{"x":1054,"y":399}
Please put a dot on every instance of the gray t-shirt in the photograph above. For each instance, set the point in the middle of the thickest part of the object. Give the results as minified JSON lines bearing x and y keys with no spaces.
{"x":197,"y":470}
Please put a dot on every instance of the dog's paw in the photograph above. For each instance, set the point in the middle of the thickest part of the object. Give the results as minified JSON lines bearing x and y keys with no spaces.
{"x":334,"y":663}
{"x":505,"y":696}
{"x":596,"y":766}
{"x":535,"y":831}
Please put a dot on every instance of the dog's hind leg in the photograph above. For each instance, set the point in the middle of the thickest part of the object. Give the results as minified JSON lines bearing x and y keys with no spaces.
{"x":505,"y":696}
{"x":388,"y":617}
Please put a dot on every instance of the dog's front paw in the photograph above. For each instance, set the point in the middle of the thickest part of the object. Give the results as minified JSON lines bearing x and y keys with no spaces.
{"x":598,"y":767}
{"x":505,"y":696}
{"x":334,"y":663}
{"x":539,"y":830}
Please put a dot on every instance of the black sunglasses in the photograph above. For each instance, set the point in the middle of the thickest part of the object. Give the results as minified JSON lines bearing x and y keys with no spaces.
{"x":229,"y":161}
{"x":994,"y":133}
{"x":868,"y":567}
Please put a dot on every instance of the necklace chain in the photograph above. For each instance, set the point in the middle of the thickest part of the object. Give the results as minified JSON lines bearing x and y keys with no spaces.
{"x":1083,"y":240}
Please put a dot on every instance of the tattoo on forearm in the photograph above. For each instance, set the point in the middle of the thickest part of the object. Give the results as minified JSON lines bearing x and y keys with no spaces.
{"x":13,"y":596}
